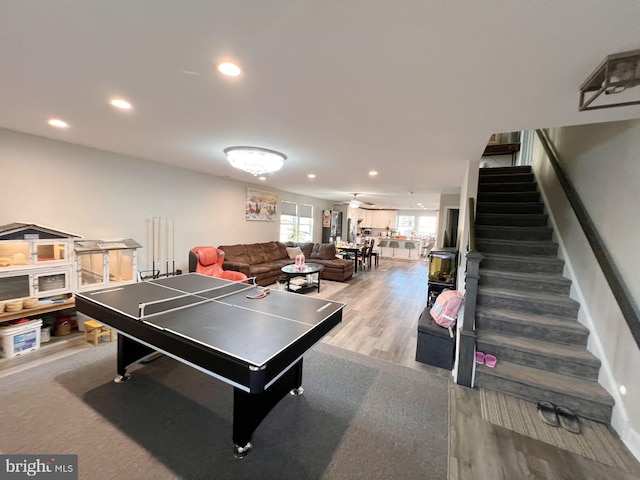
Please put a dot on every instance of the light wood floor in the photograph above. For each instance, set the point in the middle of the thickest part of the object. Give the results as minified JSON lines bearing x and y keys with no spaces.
{"x":380,"y":320}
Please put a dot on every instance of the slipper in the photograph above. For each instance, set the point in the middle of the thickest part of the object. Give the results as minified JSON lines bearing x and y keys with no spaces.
{"x":568,"y":419}
{"x":480,"y":358}
{"x":490,"y":361}
{"x":548,"y":413}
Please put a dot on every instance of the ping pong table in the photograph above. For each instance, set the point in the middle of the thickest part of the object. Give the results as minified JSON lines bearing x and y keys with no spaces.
{"x":254,"y":344}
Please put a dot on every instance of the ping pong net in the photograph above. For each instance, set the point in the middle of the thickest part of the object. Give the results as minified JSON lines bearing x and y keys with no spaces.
{"x":181,"y":299}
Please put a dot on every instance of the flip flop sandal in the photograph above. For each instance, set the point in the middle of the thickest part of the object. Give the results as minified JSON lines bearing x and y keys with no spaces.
{"x":480,"y":358}
{"x":548,"y":413}
{"x":490,"y":361}
{"x":568,"y":420}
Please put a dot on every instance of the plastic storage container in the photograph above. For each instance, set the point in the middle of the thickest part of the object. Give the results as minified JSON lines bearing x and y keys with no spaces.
{"x":20,"y":339}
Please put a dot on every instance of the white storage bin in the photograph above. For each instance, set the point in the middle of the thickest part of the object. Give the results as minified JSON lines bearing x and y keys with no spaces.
{"x":20,"y":339}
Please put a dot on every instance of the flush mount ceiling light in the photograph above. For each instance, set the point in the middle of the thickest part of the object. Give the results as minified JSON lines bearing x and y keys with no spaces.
{"x":229,"y":69}
{"x":616,"y":75}
{"x":255,"y":160}
{"x":56,"y":122}
{"x":120,"y":103}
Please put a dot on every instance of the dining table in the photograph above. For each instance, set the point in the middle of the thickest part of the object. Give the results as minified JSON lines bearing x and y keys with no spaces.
{"x":357,"y":249}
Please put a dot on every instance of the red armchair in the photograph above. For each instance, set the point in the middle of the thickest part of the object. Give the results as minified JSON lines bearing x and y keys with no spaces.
{"x":208,"y":261}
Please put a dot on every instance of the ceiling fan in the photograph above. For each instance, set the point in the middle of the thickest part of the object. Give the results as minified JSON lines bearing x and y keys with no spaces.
{"x":355,"y":203}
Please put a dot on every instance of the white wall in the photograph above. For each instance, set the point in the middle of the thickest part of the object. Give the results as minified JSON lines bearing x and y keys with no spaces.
{"x":100,"y":195}
{"x":602,"y":162}
{"x":447,"y":201}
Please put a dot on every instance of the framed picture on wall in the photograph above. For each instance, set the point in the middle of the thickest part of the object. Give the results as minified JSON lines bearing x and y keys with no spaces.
{"x":495,"y":139}
{"x":261,"y":205}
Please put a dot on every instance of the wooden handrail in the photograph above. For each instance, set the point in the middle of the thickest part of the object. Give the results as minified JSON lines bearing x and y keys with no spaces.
{"x":614,"y":279}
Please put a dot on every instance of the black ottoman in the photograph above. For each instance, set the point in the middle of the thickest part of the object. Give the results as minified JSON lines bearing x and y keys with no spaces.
{"x":435,"y":346}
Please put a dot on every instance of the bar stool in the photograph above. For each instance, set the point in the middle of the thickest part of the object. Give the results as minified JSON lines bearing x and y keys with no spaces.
{"x":409,"y":246}
{"x":382,"y":244}
{"x":393,"y":245}
{"x":96,"y":330}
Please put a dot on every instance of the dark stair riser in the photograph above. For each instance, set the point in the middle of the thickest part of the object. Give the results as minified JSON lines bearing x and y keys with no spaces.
{"x":583,"y":406}
{"x":563,"y":366}
{"x":511,"y":208}
{"x":506,"y":187}
{"x":507,"y":171}
{"x":514,"y":233}
{"x":524,"y":284}
{"x":509,"y":197}
{"x":542,"y":249}
{"x":512,"y":220}
{"x":539,"y":307}
{"x":518,"y":177}
{"x":530,"y":330}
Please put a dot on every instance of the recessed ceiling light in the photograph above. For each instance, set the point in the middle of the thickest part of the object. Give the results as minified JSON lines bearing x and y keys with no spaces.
{"x":229,"y":68}
{"x":121,"y":103}
{"x":373,"y":173}
{"x":56,"y":122}
{"x":263,"y":178}
{"x":311,"y":175}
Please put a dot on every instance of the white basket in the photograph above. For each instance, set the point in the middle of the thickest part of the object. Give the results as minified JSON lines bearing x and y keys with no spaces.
{"x":20,"y":339}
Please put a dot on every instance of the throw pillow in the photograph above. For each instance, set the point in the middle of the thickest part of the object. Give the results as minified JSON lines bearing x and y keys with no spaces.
{"x":293,"y":251}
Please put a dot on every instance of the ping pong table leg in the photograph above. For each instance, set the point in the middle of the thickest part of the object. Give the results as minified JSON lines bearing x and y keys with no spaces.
{"x":249,"y":409}
{"x":130,"y":352}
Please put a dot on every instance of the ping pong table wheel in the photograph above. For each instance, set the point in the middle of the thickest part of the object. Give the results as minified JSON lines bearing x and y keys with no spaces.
{"x":241,"y":452}
{"x":122,"y":378}
{"x":297,"y":391}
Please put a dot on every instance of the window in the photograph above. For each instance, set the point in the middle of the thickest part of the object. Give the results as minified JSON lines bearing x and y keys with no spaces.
{"x":296,"y":222}
{"x":427,"y":226}
{"x":406,"y":225}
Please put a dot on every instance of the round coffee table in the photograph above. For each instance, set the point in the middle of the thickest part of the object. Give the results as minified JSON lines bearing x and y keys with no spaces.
{"x":308,"y":270}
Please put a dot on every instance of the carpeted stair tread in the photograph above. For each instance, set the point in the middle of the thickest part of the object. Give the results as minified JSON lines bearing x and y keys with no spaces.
{"x":504,"y":170}
{"x":508,"y":232}
{"x":569,"y":325}
{"x":525,"y":177}
{"x":561,"y":352}
{"x":542,"y":327}
{"x":521,"y":208}
{"x":550,"y":298}
{"x":558,"y":280}
{"x":509,"y":186}
{"x":535,"y":248}
{"x":584,"y":397}
{"x":525,"y":259}
{"x":513,"y":219}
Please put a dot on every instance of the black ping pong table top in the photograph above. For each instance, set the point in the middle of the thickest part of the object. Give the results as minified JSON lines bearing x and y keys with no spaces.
{"x":224,"y":319}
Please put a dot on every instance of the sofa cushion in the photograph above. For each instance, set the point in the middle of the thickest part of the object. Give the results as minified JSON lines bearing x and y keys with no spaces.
{"x":256,"y":253}
{"x":323,"y":251}
{"x":235,"y":253}
{"x":292,"y":252}
{"x":272,"y":251}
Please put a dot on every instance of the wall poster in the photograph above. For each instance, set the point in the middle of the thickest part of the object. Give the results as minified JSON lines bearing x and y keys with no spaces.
{"x":261,"y":205}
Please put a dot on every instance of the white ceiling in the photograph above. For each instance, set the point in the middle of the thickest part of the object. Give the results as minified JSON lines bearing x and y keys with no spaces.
{"x":411,"y":88}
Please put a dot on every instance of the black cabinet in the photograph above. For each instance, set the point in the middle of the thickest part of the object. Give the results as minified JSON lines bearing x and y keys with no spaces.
{"x":443,"y":266}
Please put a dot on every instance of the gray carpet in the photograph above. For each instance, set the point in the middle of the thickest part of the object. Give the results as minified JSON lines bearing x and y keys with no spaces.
{"x":360,"y":417}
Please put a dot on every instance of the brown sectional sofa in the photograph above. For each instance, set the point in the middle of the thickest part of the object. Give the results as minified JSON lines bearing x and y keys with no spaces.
{"x":264,"y":260}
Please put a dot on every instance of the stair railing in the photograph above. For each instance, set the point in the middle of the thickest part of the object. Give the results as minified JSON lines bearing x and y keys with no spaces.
{"x":618,"y":287}
{"x":466,"y":331}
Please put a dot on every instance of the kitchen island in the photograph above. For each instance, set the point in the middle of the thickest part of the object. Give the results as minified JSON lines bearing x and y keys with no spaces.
{"x":401,"y":252}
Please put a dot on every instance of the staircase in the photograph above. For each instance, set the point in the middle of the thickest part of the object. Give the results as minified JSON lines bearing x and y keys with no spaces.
{"x":524,"y":314}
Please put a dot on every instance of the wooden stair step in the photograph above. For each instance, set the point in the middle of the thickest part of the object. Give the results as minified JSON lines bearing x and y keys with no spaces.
{"x":554,"y":357}
{"x":542,"y":327}
{"x":585,"y":398}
